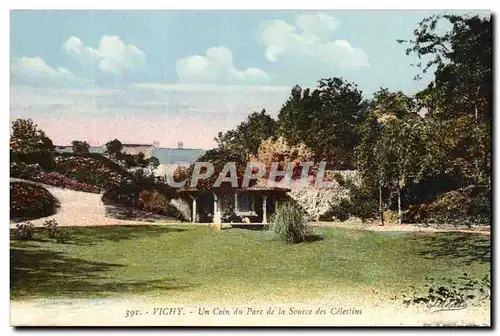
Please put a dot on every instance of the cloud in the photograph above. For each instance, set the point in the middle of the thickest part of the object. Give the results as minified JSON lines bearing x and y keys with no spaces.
{"x":216,"y":67}
{"x":309,"y":41}
{"x":34,"y":71}
{"x":112,"y":57}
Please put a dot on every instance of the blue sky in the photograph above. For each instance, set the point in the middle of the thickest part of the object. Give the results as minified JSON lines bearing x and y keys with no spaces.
{"x":173,"y":76}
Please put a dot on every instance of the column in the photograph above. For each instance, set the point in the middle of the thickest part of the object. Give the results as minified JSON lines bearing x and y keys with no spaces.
{"x":264,"y":209}
{"x":194,"y":210}
{"x":217,"y":218}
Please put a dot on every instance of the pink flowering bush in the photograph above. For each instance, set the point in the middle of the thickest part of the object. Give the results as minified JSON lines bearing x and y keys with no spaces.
{"x":61,"y":181}
{"x":89,"y":171}
{"x":31,"y":201}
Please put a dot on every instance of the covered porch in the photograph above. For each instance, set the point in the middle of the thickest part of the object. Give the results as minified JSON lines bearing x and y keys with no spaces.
{"x":244,"y":206}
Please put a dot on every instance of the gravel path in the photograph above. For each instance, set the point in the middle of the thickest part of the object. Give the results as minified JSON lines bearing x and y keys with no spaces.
{"x":78,"y":209}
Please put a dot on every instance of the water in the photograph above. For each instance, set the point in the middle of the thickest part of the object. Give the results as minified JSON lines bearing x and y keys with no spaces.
{"x":164,"y":155}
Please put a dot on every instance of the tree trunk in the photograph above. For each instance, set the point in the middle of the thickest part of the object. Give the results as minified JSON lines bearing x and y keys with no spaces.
{"x":399,"y":205}
{"x":380,"y":203}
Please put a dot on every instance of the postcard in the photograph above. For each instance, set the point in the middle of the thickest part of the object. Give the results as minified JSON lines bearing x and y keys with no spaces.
{"x":250,"y":168}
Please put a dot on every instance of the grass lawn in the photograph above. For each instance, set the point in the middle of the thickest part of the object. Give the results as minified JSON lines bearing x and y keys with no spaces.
{"x":193,"y":264}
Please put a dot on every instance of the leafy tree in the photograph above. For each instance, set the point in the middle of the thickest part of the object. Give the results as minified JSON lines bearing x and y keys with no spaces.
{"x":80,"y":146}
{"x":459,"y":99}
{"x":391,"y":148}
{"x":326,"y":120}
{"x":27,"y":138}
{"x":247,"y":136}
{"x":114,"y":147}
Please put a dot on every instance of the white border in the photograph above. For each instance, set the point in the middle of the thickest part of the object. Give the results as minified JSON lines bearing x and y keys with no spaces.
{"x":188,"y":4}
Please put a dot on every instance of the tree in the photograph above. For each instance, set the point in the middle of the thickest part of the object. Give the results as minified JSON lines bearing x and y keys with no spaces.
{"x":391,"y":149}
{"x":80,"y":146}
{"x":114,"y":147}
{"x":326,"y":120}
{"x":459,"y":99}
{"x":247,"y":136}
{"x":27,"y":138}
{"x":280,"y":151}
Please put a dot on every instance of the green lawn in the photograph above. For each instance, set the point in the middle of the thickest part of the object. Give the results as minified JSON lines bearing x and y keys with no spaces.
{"x":196,"y":263}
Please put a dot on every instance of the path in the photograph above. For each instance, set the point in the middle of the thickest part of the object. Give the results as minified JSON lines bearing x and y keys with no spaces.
{"x":78,"y":209}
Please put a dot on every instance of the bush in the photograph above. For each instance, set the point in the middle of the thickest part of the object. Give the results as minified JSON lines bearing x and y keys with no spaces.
{"x":51,"y":228}
{"x":24,"y":231}
{"x":31,"y":201}
{"x":467,"y":206}
{"x":289,"y":223}
{"x":62,"y":237}
{"x":61,"y":181}
{"x":89,"y":170}
{"x":153,"y":201}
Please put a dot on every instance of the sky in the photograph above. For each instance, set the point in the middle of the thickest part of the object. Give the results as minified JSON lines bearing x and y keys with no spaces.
{"x":170,"y":76}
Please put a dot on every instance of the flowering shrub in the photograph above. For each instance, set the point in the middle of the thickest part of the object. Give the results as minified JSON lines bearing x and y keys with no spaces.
{"x":24,"y":231}
{"x":61,"y":181}
{"x":31,"y":201}
{"x":51,"y":228}
{"x":88,"y":170}
{"x":153,"y":201}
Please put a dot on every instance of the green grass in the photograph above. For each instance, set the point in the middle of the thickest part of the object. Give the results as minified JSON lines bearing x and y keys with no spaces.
{"x":197,"y":263}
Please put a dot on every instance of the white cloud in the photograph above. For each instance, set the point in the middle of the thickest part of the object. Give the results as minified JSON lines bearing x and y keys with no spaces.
{"x":309,"y":41}
{"x":34,"y":70}
{"x":216,"y":67}
{"x":112,"y":57}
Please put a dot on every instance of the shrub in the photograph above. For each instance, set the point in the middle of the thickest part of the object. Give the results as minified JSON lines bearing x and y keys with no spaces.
{"x":61,"y":181}
{"x":24,"y":231}
{"x":31,"y":201}
{"x":467,"y":206}
{"x":90,"y":170}
{"x":62,"y":237}
{"x":153,"y":201}
{"x":289,"y":223}
{"x":51,"y":228}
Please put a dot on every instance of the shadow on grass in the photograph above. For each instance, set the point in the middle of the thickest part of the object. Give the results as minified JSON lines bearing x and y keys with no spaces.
{"x":119,"y":211}
{"x":465,"y":246}
{"x":40,"y":272}
{"x":97,"y":234}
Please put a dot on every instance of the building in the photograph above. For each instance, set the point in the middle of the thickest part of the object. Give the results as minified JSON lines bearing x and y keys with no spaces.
{"x":134,"y":149}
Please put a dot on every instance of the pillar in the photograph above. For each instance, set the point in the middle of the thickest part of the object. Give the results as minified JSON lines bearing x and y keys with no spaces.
{"x":264,"y":209}
{"x":217,"y":218}
{"x":194,"y":210}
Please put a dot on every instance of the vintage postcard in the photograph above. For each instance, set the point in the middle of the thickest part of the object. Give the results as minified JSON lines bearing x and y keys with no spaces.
{"x":250,"y":168}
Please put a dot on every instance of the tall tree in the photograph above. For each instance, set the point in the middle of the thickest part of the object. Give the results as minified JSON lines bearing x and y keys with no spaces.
{"x":326,"y":120}
{"x":459,"y":99}
{"x":246,"y":137}
{"x":27,"y":138}
{"x":80,"y":146}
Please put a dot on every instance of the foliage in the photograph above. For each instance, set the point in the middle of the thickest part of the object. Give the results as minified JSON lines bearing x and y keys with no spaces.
{"x":467,"y":206}
{"x":27,"y":138}
{"x":289,"y":223}
{"x":89,"y":170}
{"x":325,"y":120}
{"x":31,"y":201}
{"x":271,"y":151}
{"x":51,"y":228}
{"x":44,"y":159}
{"x":153,"y":201}
{"x":80,"y":147}
{"x":24,"y":231}
{"x":247,"y":136}
{"x":114,"y":147}
{"x":459,"y":99}
{"x":61,"y":181}
{"x":180,"y":209}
